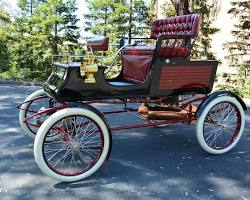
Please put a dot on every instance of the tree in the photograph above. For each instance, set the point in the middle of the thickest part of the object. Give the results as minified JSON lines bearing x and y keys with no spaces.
{"x":27,"y":7}
{"x":202,"y":48}
{"x":117,"y":18}
{"x":98,"y":19}
{"x":38,"y":36}
{"x":181,"y":7}
{"x":138,"y":19}
{"x":184,"y":7}
{"x":168,"y":9}
{"x":57,"y":20}
{"x":239,"y":49}
{"x":4,"y":40}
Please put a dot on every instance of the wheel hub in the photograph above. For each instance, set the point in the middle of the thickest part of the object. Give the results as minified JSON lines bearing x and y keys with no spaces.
{"x":222,"y":125}
{"x":74,"y":146}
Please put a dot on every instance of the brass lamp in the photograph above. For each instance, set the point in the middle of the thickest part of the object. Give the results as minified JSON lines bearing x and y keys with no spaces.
{"x":88,"y":68}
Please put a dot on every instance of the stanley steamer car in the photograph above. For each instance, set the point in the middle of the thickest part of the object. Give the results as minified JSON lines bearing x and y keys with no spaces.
{"x":73,"y":139}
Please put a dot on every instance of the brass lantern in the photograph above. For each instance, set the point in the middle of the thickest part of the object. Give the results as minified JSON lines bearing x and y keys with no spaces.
{"x":88,"y":68}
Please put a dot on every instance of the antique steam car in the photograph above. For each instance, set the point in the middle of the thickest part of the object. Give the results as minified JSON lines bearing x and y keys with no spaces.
{"x":73,"y":138}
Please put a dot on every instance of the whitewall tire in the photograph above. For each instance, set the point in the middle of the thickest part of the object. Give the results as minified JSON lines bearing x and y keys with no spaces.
{"x":80,"y":150}
{"x":220,"y":125}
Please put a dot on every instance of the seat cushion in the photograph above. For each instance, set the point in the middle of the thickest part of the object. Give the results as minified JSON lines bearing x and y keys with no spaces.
{"x":137,"y":60}
{"x":168,"y":52}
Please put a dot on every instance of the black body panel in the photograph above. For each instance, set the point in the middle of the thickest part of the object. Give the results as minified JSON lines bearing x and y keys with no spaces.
{"x":73,"y":88}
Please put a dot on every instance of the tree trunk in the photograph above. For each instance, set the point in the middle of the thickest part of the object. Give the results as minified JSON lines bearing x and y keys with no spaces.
{"x":185,"y":7}
{"x":105,"y":21}
{"x":55,"y":48}
{"x":31,"y":7}
{"x":181,"y":6}
{"x":130,"y":22}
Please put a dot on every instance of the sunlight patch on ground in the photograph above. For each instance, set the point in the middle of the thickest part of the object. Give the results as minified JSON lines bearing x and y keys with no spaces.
{"x":10,"y":130}
{"x":227,"y":188}
{"x":17,"y":182}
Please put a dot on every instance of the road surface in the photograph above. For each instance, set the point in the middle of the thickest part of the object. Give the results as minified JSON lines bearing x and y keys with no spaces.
{"x":146,"y":164}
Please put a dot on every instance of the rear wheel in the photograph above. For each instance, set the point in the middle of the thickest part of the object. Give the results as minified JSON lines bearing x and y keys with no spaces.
{"x":80,"y":149}
{"x":220,"y":125}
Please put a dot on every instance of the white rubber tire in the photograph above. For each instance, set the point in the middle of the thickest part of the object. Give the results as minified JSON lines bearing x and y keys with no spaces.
{"x":38,"y":145}
{"x":23,"y":111}
{"x":201,"y":119}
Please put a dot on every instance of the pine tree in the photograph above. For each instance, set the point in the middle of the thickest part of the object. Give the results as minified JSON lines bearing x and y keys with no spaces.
{"x":98,"y":19}
{"x":70,"y":19}
{"x":117,"y":18}
{"x":239,"y":49}
{"x":38,"y":36}
{"x":4,"y":40}
{"x":57,"y":20}
{"x":138,"y":19}
{"x":28,"y":6}
{"x":202,"y":47}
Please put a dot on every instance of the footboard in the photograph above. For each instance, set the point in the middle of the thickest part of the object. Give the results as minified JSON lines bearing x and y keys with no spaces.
{"x":180,"y":77}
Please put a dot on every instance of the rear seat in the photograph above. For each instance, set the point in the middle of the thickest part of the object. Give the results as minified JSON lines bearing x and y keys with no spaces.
{"x":137,"y":60}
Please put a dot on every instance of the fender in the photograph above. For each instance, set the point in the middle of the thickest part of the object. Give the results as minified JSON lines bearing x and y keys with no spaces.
{"x":87,"y":106}
{"x":212,"y":96}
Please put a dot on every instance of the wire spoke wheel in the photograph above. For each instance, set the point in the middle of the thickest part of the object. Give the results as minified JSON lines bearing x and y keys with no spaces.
{"x":78,"y":148}
{"x":220,"y":125}
{"x":81,"y":146}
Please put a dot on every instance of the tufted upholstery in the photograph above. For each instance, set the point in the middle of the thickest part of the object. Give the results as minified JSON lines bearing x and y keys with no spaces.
{"x":187,"y":25}
{"x":137,"y":60}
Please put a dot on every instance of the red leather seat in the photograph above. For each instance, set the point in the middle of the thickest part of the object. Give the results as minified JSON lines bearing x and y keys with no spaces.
{"x":137,"y":60}
{"x":136,"y":63}
{"x":167,"y":52}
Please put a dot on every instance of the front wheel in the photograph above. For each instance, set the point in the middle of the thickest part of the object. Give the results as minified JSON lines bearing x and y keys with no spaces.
{"x":80,"y":149}
{"x":220,"y":125}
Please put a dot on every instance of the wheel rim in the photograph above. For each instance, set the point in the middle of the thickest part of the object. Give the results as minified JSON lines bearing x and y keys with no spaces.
{"x":77,"y":148}
{"x":222,"y":125}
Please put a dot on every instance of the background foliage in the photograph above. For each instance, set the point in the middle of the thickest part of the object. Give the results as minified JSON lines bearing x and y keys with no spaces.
{"x":42,"y":28}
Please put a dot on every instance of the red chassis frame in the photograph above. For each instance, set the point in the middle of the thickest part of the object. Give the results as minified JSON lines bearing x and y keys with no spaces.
{"x":185,"y":106}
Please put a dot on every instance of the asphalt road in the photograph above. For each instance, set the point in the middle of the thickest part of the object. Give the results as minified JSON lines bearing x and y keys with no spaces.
{"x":148,"y":164}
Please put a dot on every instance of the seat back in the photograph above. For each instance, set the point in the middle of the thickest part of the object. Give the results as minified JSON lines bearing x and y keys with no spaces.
{"x":98,"y":44}
{"x":137,"y":61}
{"x":186,"y":25}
